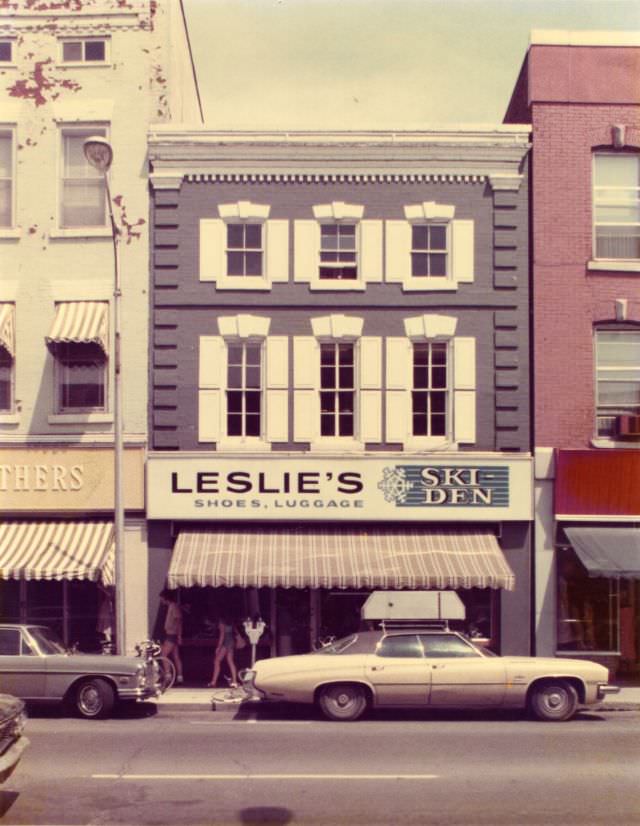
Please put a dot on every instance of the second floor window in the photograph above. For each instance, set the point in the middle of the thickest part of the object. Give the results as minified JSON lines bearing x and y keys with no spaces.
{"x":82,"y":197}
{"x":616,"y":206}
{"x":429,"y":250}
{"x":338,"y":252}
{"x":429,"y":394}
{"x":6,"y":381}
{"x":6,"y":179}
{"x":337,"y":389}
{"x":84,"y":51}
{"x":81,"y":371}
{"x":617,"y":378}
{"x":244,"y":249}
{"x":244,"y":389}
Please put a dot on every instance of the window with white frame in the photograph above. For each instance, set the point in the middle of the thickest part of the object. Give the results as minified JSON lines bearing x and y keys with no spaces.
{"x":429,"y":395}
{"x":244,"y":388}
{"x":6,"y":51}
{"x":81,"y":378}
{"x":84,"y":50}
{"x":6,"y":381}
{"x":6,"y":178}
{"x":243,"y":249}
{"x":337,"y":389}
{"x":243,"y":384}
{"x":430,"y":249}
{"x":616,"y":205}
{"x":430,"y":384}
{"x":338,"y":249}
{"x":617,"y":381}
{"x":82,"y":188}
{"x":338,"y":252}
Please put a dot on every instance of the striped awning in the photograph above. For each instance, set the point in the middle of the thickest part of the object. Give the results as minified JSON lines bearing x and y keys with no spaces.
{"x":8,"y":328}
{"x":81,"y":322}
{"x":57,"y":550}
{"x":332,"y":557}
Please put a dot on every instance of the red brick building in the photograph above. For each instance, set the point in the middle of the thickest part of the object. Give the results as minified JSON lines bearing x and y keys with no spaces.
{"x":580,"y":91}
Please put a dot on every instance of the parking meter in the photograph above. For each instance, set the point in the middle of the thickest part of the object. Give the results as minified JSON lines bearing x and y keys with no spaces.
{"x":254,"y":630}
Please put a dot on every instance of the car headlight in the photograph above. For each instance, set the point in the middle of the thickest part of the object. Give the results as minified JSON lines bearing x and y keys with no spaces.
{"x":141,"y":676}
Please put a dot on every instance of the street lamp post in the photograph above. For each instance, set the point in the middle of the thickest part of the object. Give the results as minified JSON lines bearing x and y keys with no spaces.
{"x":99,"y":154}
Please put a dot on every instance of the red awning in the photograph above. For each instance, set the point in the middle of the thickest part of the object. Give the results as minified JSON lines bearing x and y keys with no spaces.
{"x":597,"y":483}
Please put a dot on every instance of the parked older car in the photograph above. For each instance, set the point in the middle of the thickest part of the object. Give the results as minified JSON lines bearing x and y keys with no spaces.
{"x":35,"y":666}
{"x":425,"y":668}
{"x":12,"y":740}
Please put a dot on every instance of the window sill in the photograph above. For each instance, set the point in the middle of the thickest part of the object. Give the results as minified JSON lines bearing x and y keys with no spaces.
{"x":421,"y":445}
{"x":81,"y":418}
{"x":242,"y":282}
{"x":9,"y":418}
{"x":337,"y":446}
{"x":617,"y":445}
{"x":243,"y":446}
{"x":429,"y":285}
{"x":81,"y":232}
{"x":327,"y":285}
{"x":10,"y":234}
{"x":614,"y":265}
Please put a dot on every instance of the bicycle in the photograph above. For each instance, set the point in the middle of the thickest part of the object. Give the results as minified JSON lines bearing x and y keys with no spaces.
{"x":231,"y":695}
{"x":151,"y":650}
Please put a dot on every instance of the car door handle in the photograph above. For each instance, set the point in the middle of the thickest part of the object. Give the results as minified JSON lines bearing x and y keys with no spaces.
{"x":437,"y":666}
{"x":377,"y":668}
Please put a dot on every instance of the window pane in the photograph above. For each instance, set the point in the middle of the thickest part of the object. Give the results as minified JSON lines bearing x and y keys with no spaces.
{"x":253,"y":401}
{"x":83,"y":204}
{"x":438,"y":425}
{"x":82,"y":386}
{"x":253,"y":263}
{"x":617,"y":242}
{"x":75,"y":163}
{"x":345,"y":402}
{"x":327,"y":402}
{"x":235,"y":263}
{"x":346,"y":425}
{"x":5,"y":51}
{"x":234,"y":401}
{"x":438,"y":402}
{"x":328,"y":376}
{"x":94,"y":50}
{"x":346,"y":353}
{"x":419,"y":237}
{"x":618,"y":349}
{"x":619,"y":393}
{"x":420,"y":402}
{"x":327,"y":354}
{"x":329,"y":236}
{"x":346,"y":376}
{"x":234,"y":376}
{"x":327,"y":426}
{"x":617,"y":170}
{"x":438,"y":264}
{"x":438,"y":237}
{"x":5,"y":203}
{"x":439,"y":377}
{"x":253,"y":425}
{"x":421,"y":354}
{"x":5,"y":384}
{"x":235,"y":236}
{"x":5,"y":156}
{"x":253,"y":352}
{"x":419,"y":264}
{"x":420,"y":425}
{"x":234,"y":353}
{"x":253,"y":236}
{"x":420,"y":377}
{"x":72,"y":50}
{"x":253,"y":376}
{"x":234,"y":424}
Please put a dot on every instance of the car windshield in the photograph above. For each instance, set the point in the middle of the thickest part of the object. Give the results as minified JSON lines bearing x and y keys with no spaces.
{"x":47,"y":640}
{"x":338,"y":646}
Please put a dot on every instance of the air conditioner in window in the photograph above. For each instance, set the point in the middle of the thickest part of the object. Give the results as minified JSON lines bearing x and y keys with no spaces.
{"x":628,"y":425}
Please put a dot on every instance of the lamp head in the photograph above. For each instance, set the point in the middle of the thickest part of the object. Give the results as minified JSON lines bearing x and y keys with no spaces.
{"x":98,"y":151}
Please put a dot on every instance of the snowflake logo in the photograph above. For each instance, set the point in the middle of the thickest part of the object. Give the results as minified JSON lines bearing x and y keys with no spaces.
{"x":394,"y":485}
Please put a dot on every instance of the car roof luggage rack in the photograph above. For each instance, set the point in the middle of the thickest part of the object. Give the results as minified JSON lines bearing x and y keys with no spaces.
{"x":429,"y":625}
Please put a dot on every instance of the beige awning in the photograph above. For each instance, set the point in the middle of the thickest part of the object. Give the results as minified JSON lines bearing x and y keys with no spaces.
{"x":57,"y":550}
{"x":81,"y":322}
{"x":340,"y":558}
{"x":8,"y":328}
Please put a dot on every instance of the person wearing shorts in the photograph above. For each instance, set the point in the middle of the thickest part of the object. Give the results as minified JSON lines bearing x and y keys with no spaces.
{"x":172,"y":631}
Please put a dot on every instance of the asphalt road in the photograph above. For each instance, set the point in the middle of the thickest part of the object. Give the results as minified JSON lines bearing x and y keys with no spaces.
{"x":274,"y":768}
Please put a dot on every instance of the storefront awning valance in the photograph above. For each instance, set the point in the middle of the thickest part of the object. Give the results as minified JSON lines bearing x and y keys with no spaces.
{"x":597,"y":484}
{"x":8,"y":328}
{"x":57,"y":550}
{"x":81,"y":322}
{"x":609,"y":552}
{"x":339,"y":558}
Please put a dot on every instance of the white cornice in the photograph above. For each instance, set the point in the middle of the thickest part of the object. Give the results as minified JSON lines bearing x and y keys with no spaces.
{"x":559,"y":37}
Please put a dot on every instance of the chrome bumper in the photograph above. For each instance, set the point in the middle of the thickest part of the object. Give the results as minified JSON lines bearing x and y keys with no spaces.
{"x":11,"y":757}
{"x":605,"y":688}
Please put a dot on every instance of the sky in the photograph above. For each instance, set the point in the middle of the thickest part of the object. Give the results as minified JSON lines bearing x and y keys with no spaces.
{"x":373,"y":64}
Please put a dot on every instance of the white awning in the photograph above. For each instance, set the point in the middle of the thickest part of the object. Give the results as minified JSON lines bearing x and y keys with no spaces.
{"x":57,"y":550}
{"x":334,"y":557}
{"x":81,"y":322}
{"x":8,"y":328}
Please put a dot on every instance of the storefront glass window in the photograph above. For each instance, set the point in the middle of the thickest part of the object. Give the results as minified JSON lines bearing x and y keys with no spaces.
{"x":587,"y":607}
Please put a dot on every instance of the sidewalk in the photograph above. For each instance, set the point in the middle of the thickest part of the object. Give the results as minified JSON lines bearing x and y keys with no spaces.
{"x":199,"y":699}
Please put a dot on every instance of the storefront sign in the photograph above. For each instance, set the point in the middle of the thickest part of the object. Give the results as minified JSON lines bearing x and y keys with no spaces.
{"x":61,"y":480}
{"x":310,"y":488}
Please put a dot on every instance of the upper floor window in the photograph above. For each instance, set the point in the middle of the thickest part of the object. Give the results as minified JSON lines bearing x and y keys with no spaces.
{"x":429,"y":250}
{"x":84,"y":50}
{"x":82,"y":188}
{"x":617,"y":382}
{"x":338,"y":251}
{"x":244,"y":249}
{"x":429,"y":396}
{"x":244,"y":389}
{"x":81,"y":378}
{"x":616,"y":206}
{"x":337,"y":389}
{"x":7,"y":356}
{"x":6,"y":178}
{"x":6,"y":51}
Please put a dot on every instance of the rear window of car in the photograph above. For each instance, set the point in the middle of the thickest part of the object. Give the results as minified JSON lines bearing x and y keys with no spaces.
{"x":401,"y":645}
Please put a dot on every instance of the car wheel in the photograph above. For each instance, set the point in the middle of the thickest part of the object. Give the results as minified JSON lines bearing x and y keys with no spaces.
{"x":342,"y":702}
{"x":94,"y":698}
{"x":554,"y":701}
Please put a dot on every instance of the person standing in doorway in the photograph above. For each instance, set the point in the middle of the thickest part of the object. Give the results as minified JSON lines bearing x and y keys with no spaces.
{"x":172,"y":631}
{"x":225,"y":649}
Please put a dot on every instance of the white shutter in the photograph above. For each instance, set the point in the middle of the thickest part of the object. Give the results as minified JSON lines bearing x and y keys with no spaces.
{"x":277,"y":388}
{"x":306,"y":363}
{"x":370,"y":415}
{"x":399,"y":366}
{"x":306,"y":253}
{"x":211,"y":379}
{"x":277,"y":362}
{"x":462,"y":251}
{"x":370,"y":384}
{"x":277,"y":242}
{"x":370,"y":362}
{"x":371,"y":251}
{"x":277,"y":415}
{"x":464,"y":390}
{"x":306,"y":415}
{"x":398,"y":259}
{"x":212,"y":249}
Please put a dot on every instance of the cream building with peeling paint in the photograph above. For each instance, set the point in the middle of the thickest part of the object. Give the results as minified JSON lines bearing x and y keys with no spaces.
{"x":69,"y":70}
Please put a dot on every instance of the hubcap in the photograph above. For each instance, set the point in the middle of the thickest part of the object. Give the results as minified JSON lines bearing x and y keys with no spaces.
{"x":90,"y":700}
